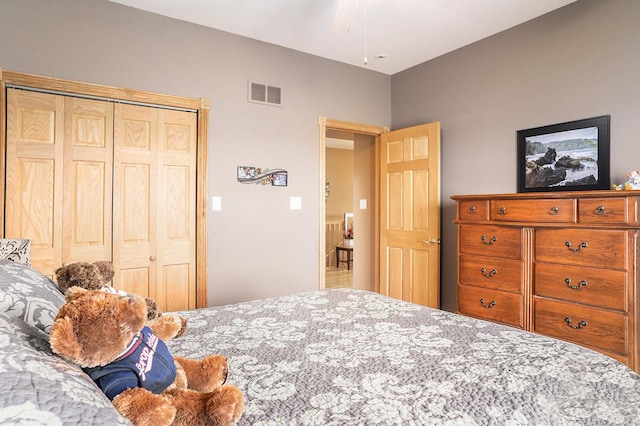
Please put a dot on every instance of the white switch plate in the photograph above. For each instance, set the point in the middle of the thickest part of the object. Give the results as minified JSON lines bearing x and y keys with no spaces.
{"x":363,"y":204}
{"x":216,"y":204}
{"x":295,"y":203}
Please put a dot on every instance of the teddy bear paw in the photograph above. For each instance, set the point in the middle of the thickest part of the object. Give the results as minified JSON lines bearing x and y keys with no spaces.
{"x":144,"y":408}
{"x":183,"y":327}
{"x":204,"y":375}
{"x":225,"y":405}
{"x":168,"y":326}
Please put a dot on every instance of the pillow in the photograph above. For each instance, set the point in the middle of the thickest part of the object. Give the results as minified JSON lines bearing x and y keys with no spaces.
{"x":40,"y":388}
{"x":26,"y":293}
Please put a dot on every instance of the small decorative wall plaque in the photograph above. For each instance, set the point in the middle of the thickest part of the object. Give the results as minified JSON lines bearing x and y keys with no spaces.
{"x":275,"y":177}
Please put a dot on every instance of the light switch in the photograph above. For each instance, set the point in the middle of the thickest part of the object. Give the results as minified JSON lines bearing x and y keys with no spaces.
{"x":216,"y":204}
{"x":363,"y":204}
{"x":295,"y":203}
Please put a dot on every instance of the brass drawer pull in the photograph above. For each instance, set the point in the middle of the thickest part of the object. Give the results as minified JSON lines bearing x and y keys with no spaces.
{"x":490,"y":241}
{"x":575,"y":287}
{"x":472,"y":210}
{"x":600,"y":211}
{"x":490,"y":305}
{"x":502,"y":210}
{"x":490,"y":274}
{"x":554,"y":211}
{"x":581,"y":324}
{"x":579,"y":248}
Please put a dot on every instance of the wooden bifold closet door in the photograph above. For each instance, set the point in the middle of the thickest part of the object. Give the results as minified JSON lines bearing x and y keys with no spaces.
{"x":58,"y":177}
{"x":90,"y":180}
{"x":154,"y":204}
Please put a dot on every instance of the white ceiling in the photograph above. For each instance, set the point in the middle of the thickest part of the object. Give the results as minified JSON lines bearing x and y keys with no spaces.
{"x":406,"y":32}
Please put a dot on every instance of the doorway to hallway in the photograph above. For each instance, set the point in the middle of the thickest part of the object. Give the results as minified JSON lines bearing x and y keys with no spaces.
{"x":339,"y":200}
{"x":360,"y":200}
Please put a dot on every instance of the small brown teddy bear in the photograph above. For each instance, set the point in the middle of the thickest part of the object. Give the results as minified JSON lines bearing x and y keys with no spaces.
{"x":95,"y":275}
{"x":105,"y":334}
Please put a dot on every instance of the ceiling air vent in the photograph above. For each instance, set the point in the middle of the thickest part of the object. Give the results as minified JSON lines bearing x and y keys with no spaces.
{"x":264,"y":94}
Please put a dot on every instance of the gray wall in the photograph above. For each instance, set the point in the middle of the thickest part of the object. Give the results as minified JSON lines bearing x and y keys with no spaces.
{"x":257,"y":246}
{"x":577,"y":62}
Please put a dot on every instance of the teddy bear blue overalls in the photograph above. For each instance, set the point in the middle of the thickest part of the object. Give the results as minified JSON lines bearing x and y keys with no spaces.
{"x":146,"y":363}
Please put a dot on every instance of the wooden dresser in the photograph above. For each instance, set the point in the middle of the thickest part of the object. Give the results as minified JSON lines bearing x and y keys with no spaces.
{"x":562,"y":264}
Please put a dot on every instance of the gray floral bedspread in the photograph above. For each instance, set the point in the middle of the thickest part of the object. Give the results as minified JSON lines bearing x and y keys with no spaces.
{"x":38,"y":387}
{"x":348,"y":357}
{"x":337,"y":357}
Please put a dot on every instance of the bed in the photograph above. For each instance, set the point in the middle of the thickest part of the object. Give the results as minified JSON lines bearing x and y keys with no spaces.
{"x":334,"y":357}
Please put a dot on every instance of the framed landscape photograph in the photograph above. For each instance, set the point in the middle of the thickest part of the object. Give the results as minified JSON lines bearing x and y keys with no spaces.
{"x":571,"y":156}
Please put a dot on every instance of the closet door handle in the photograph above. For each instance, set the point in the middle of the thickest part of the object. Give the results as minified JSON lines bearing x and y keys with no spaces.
{"x":152,"y":258}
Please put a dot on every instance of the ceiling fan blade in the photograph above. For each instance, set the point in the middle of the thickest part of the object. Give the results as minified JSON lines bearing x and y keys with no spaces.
{"x":345,"y":11}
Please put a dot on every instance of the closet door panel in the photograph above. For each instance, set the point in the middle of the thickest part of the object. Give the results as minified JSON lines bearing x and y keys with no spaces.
{"x":136,"y":279}
{"x":176,"y":298}
{"x":177,"y":213}
{"x":134,"y":200}
{"x":88,"y":180}
{"x":34,"y":174}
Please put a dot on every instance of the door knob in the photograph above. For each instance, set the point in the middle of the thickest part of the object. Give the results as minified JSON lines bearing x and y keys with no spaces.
{"x":431,"y":241}
{"x":152,"y":258}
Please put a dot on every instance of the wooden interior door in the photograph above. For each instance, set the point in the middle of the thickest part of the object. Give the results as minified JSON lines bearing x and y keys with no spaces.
{"x":88,"y":165}
{"x":134,"y":200}
{"x":410,"y":214}
{"x":176,"y":213}
{"x":34,"y":174}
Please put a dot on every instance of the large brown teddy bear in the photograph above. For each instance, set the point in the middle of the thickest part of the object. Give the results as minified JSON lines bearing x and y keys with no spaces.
{"x":95,"y":275}
{"x":104,"y":333}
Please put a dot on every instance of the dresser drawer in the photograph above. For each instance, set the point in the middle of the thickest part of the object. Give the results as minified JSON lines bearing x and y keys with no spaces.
{"x":473,"y":210}
{"x":592,"y":327}
{"x":587,"y":247}
{"x":495,"y":241}
{"x":490,"y":304}
{"x":541,"y":210}
{"x":492,"y":272}
{"x":606,"y":210}
{"x":591,"y":286}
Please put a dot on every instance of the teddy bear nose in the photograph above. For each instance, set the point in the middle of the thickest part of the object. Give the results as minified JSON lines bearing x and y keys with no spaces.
{"x":132,"y":301}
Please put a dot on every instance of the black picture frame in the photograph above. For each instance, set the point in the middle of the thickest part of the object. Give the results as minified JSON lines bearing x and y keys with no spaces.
{"x":571,"y":156}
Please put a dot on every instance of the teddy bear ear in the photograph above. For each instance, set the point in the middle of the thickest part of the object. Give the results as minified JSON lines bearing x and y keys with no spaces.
{"x":60,"y":270}
{"x":105,"y":269}
{"x":63,"y":339}
{"x":62,"y":277}
{"x":74,"y":292}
